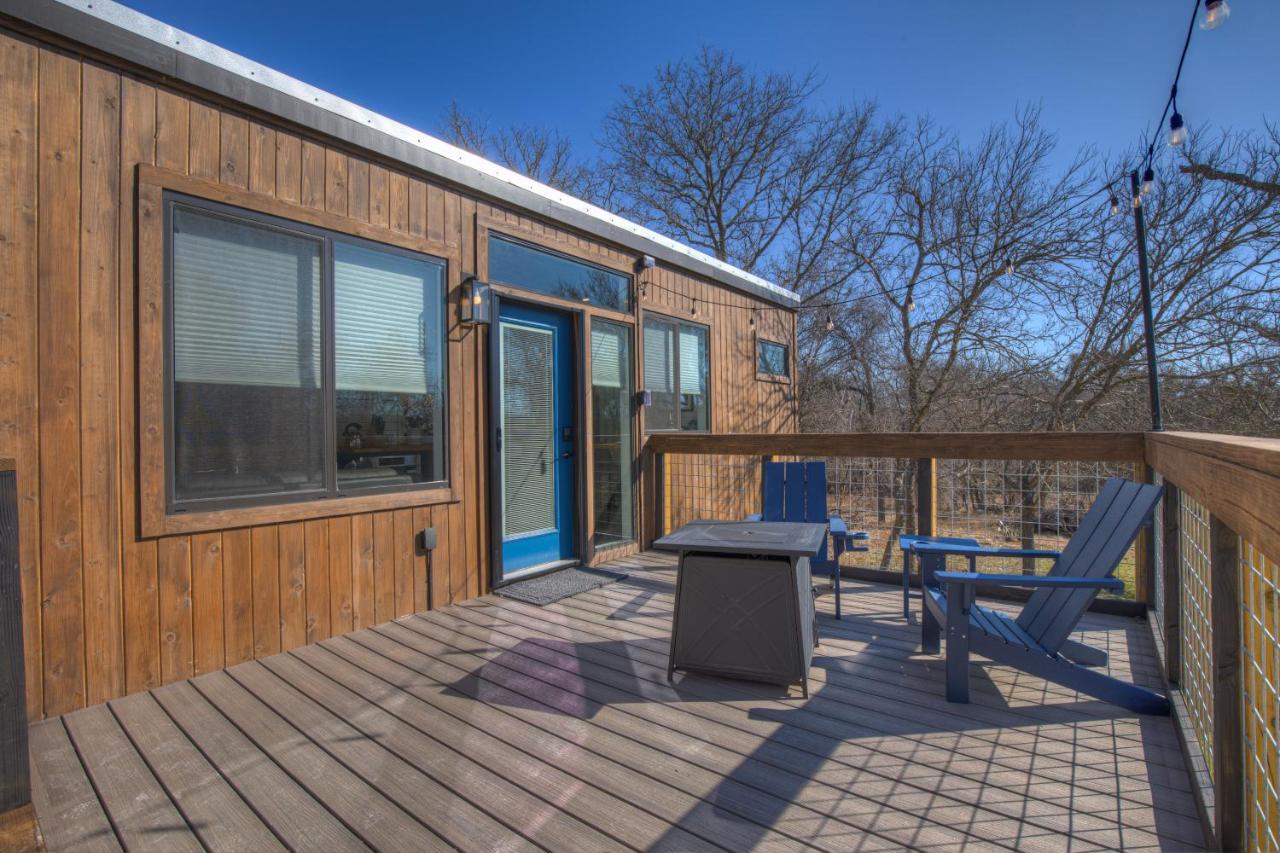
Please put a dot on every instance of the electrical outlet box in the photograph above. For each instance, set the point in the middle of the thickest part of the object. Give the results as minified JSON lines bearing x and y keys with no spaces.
{"x":428,"y":538}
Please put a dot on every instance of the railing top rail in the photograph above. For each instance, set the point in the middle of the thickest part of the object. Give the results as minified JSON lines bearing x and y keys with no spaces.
{"x":1237,"y":478}
{"x":1065,"y":446}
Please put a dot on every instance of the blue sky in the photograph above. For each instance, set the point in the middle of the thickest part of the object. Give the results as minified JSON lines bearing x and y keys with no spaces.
{"x":1100,"y":70}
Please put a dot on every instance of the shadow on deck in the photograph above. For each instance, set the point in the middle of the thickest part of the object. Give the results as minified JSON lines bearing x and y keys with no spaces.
{"x":497,"y":725}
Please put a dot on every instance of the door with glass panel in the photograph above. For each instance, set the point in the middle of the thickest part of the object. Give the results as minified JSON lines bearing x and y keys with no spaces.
{"x":536,"y":438}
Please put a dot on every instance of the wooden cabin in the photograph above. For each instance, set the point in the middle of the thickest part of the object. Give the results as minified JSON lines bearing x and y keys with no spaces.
{"x":276,"y":367}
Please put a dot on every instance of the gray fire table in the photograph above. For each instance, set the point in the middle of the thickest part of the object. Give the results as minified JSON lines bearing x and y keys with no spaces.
{"x":744,"y":599}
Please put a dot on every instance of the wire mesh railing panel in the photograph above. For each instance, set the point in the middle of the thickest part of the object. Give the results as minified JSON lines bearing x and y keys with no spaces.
{"x":1023,"y":504}
{"x":702,"y":487}
{"x":1260,"y":659}
{"x":876,"y":496}
{"x":1197,"y":629}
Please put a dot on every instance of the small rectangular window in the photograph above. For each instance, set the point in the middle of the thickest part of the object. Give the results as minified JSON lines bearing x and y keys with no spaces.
{"x":520,"y":265}
{"x":302,"y":364}
{"x":677,"y":375}
{"x":771,"y":359}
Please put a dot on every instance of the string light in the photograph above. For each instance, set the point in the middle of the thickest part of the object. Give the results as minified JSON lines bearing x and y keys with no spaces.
{"x":752,"y":321}
{"x":831,"y":324}
{"x":1115,"y":205}
{"x":1216,"y":13}
{"x":1148,"y":180}
{"x":1177,"y":131}
{"x":1009,"y":268}
{"x":911,"y":304}
{"x":694,"y":312}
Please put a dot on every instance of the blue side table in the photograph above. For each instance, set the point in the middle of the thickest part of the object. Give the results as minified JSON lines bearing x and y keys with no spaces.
{"x":905,"y":541}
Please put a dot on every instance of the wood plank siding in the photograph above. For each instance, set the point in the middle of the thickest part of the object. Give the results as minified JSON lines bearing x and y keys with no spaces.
{"x":113,"y":605}
{"x":495,"y":724}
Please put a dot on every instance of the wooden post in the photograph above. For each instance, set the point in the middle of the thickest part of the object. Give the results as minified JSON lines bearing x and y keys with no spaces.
{"x":1144,"y":554}
{"x":1172,"y":614}
{"x":926,"y":497}
{"x":659,"y":495}
{"x":15,"y":774}
{"x":1228,"y":734}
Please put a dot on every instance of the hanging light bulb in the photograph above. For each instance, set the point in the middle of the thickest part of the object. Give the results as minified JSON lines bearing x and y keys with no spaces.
{"x":752,"y":321}
{"x":911,"y":304}
{"x":831,"y":324}
{"x":1148,"y":179}
{"x":694,"y":312}
{"x":1115,"y":205}
{"x":1137,"y":200}
{"x":1177,"y":130}
{"x":1009,"y":268}
{"x":1215,"y":13}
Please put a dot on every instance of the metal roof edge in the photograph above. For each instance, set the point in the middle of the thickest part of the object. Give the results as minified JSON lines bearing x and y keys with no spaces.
{"x":122,"y":32}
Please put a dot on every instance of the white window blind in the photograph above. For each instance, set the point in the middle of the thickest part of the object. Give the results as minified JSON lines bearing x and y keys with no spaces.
{"x":608,"y":360}
{"x":659,"y":375}
{"x":387,"y":321}
{"x":246,"y":304}
{"x":692,"y":355}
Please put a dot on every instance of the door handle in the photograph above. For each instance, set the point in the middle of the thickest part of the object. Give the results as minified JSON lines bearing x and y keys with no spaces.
{"x":568,"y":454}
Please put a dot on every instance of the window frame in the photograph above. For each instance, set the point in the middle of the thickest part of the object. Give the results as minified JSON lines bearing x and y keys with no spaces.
{"x":764,"y":376}
{"x":159,"y":513}
{"x":631,"y":422}
{"x":677,"y":322}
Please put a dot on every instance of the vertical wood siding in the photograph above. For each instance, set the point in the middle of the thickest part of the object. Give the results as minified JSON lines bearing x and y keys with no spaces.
{"x":108,"y":612}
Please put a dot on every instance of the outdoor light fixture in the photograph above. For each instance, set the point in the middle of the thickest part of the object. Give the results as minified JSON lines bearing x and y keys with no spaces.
{"x":646,"y":262}
{"x":831,"y":324}
{"x":694,"y":312}
{"x":474,"y":306}
{"x":1148,"y":180}
{"x":1215,"y":13}
{"x":1009,"y":268}
{"x":1177,"y":130}
{"x":911,"y":304}
{"x":1115,"y":205}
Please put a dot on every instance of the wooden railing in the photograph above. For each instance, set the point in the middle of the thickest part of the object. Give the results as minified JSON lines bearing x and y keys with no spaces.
{"x":1208,"y":570}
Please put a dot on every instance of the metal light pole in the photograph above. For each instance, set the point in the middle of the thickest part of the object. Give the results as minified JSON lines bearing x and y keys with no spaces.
{"x":1148,"y":322}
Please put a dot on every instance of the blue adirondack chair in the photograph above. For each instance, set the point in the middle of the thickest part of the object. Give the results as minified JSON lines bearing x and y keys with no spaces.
{"x":797,"y":491}
{"x":1037,"y":641}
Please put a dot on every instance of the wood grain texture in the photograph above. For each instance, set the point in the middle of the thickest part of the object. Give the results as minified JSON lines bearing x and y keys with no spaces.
{"x":88,"y":154}
{"x":498,"y":724}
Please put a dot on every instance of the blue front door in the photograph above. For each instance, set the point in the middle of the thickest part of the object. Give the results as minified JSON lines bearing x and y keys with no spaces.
{"x":537,"y":438}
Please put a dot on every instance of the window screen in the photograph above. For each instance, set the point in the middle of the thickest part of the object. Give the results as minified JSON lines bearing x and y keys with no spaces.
{"x":259,"y":309}
{"x":677,"y":375}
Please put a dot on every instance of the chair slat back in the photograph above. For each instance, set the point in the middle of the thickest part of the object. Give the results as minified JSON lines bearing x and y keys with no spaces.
{"x":795,"y":491}
{"x":1095,"y":550}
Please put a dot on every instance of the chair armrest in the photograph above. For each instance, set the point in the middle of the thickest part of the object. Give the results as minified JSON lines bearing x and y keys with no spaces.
{"x":980,"y":551}
{"x":1049,"y":581}
{"x":755,"y":516}
{"x":838,"y":527}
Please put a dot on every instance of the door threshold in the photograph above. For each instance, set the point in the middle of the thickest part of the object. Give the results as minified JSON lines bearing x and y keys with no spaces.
{"x":540,"y":569}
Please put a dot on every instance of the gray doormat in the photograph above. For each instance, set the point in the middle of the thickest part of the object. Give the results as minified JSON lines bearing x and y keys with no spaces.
{"x":550,"y":588}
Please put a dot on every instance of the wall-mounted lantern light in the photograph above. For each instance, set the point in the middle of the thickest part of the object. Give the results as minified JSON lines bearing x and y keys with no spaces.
{"x":646,"y":262}
{"x":476,"y":302}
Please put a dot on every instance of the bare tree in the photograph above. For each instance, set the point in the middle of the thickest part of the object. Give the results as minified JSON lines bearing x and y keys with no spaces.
{"x":541,"y":154}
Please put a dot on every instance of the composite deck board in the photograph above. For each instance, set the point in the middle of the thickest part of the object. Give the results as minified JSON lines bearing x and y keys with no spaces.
{"x":493,"y":724}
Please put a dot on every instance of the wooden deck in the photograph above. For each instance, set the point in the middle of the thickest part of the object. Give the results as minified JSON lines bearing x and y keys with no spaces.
{"x":497,"y":725}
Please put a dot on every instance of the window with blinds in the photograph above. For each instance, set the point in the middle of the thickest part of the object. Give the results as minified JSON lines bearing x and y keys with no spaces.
{"x":611,"y":440}
{"x":276,"y":331}
{"x":677,"y":375}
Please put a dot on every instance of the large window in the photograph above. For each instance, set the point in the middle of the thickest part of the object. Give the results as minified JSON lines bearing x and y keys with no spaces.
{"x":611,"y":443}
{"x":771,"y":359}
{"x":676,"y":375}
{"x":521,"y":265}
{"x":303,"y":363}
